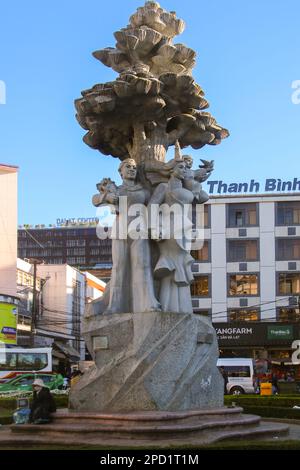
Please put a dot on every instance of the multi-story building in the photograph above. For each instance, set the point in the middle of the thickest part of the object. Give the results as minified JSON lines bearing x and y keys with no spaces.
{"x":76,"y":245}
{"x":8,"y":229}
{"x":247,"y":275}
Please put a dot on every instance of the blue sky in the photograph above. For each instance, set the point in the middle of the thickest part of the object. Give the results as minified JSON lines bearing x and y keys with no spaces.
{"x":247,"y":59}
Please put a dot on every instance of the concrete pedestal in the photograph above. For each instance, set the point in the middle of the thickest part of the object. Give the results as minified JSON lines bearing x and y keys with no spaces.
{"x":154,"y":361}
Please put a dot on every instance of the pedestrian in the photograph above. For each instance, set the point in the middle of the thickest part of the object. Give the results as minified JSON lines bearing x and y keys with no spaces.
{"x":225,"y":377}
{"x":274,"y":384}
{"x":43,"y":403}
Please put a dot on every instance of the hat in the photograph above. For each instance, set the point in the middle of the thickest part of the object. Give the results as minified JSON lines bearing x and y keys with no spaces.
{"x":39,"y":382}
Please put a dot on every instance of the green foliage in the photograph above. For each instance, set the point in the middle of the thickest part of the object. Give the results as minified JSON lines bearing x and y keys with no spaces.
{"x":273,"y":412}
{"x":287,"y":401}
{"x":8,"y":404}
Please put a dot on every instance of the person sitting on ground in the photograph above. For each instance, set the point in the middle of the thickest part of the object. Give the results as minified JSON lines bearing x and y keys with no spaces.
{"x":43,"y":403}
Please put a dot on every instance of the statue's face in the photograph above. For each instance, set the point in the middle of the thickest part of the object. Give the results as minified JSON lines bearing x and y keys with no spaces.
{"x":188,"y":162}
{"x":180,"y":170}
{"x":129,"y":171}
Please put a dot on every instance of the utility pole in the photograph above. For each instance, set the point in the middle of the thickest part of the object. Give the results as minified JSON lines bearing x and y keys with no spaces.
{"x":35,"y":262}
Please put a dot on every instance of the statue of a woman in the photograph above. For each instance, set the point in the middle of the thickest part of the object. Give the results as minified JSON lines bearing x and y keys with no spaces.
{"x":173,"y":268}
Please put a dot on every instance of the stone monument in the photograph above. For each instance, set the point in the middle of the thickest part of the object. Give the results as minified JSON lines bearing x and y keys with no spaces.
{"x":155,"y":380}
{"x":150,"y":351}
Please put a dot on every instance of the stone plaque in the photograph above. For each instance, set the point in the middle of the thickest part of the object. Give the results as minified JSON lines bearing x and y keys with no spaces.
{"x":100,"y":342}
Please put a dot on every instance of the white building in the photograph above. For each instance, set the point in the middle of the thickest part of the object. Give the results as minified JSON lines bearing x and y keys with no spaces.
{"x":8,"y":229}
{"x":64,"y":295}
{"x":249,"y":266}
{"x":248,"y":272}
{"x":61,"y":295}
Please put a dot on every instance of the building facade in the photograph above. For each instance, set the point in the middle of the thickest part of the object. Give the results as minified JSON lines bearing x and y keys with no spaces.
{"x":8,"y":229}
{"x":51,"y":306}
{"x":76,"y":245}
{"x":8,"y":254}
{"x":247,"y":275}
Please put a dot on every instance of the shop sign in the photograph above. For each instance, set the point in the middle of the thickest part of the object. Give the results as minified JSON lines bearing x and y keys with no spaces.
{"x":280,"y":332}
{"x":234,"y":334}
{"x":8,"y":323}
{"x":256,"y":334}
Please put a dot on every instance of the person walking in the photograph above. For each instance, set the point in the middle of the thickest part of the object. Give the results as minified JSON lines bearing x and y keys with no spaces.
{"x":225,"y":377}
{"x":274,"y":384}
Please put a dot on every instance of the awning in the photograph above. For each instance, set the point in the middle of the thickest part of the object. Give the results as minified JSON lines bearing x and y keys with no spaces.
{"x":67,"y":350}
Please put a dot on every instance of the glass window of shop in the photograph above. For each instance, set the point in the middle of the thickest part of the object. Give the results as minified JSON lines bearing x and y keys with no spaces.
{"x":202,"y":255}
{"x":288,"y":213}
{"x":243,"y":315}
{"x":243,"y":284}
{"x":200,"y":286}
{"x":288,"y":283}
{"x":202,"y":311}
{"x":286,"y":314}
{"x":242,"y":215}
{"x":242,"y":250}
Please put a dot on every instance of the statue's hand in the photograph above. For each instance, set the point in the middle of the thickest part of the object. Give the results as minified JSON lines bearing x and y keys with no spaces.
{"x":208,"y":165}
{"x":112,"y":199}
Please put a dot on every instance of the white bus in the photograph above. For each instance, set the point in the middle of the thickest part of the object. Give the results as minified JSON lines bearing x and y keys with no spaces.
{"x":21,"y":360}
{"x":240,"y":373}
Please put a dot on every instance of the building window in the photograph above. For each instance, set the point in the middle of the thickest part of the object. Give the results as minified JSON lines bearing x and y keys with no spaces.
{"x":202,"y":311}
{"x":289,"y":283}
{"x":288,"y":249}
{"x":243,"y":284}
{"x":242,"y":250}
{"x":200,"y":286}
{"x":202,"y":255}
{"x":95,"y":251}
{"x":75,"y":251}
{"x":243,"y":315}
{"x":242,"y":215}
{"x":288,"y":213}
{"x":287,"y":314}
{"x":206,"y":215}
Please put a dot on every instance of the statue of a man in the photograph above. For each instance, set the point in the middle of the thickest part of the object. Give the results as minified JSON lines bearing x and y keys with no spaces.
{"x":131,"y":286}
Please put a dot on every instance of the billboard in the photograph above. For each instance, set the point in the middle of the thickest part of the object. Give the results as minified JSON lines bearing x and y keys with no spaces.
{"x":8,"y":323}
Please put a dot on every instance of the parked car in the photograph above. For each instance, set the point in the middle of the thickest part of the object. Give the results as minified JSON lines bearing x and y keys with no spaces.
{"x":24,"y":382}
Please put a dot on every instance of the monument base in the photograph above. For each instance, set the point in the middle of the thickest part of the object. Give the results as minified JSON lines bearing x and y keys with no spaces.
{"x":148,"y":429}
{"x":153,"y":361}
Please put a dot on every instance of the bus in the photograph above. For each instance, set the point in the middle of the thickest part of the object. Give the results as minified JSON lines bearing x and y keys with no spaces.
{"x":240,"y":373}
{"x":14,"y":361}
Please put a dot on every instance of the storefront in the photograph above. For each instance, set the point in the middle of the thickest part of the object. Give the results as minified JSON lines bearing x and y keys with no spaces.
{"x":269,"y":343}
